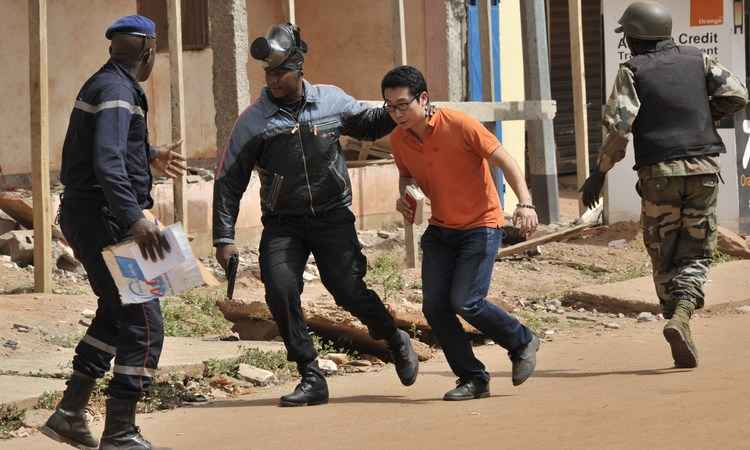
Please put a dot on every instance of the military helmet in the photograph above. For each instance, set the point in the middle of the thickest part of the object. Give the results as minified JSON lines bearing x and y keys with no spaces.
{"x":647,"y":20}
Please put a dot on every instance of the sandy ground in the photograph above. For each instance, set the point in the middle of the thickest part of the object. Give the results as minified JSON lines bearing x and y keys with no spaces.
{"x":615,"y":391}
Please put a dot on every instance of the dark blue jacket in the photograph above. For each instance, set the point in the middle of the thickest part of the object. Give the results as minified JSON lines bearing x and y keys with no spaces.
{"x":106,"y":153}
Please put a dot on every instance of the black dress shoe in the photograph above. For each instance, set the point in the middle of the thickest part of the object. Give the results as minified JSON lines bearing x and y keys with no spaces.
{"x":468,"y":389}
{"x":524,"y":361}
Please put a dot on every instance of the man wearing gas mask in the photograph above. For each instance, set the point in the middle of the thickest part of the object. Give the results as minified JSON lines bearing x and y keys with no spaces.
{"x":669,"y":96}
{"x":290,"y":135}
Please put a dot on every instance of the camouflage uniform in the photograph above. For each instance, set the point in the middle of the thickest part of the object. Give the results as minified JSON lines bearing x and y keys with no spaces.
{"x":678,"y":206}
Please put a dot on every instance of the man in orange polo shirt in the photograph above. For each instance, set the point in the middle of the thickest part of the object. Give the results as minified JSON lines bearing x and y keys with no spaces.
{"x":448,"y":154}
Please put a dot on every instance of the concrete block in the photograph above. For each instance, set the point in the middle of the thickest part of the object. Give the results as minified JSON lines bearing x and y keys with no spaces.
{"x":19,"y":245}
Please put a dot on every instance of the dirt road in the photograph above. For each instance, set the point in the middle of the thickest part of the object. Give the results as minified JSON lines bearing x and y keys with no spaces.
{"x":613,"y":391}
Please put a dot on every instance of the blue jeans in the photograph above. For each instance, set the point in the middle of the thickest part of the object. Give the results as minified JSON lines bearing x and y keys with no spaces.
{"x":456,"y":274}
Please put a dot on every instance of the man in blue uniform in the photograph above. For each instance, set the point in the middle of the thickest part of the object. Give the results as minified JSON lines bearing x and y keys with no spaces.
{"x":106,"y":172}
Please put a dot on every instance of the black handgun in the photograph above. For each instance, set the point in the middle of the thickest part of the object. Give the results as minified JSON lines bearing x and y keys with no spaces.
{"x":234,"y":261}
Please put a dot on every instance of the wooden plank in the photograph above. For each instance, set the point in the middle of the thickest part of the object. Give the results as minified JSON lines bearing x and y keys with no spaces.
{"x":379,"y":153}
{"x":291,"y":14}
{"x":399,"y":33}
{"x":489,"y":71}
{"x":578,"y":72}
{"x":371,"y":162}
{"x":177,"y":90}
{"x":39,"y":96}
{"x":498,"y":111}
{"x":411,"y":238}
{"x":552,"y":237}
{"x":542,"y":167}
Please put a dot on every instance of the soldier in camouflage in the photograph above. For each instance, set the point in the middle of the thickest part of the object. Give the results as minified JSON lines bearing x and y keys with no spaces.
{"x":669,"y":97}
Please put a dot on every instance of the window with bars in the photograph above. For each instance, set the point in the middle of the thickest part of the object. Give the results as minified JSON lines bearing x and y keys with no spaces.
{"x":194,"y":23}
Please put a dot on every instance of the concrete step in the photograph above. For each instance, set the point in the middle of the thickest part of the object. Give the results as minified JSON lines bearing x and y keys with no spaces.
{"x":727,"y":283}
{"x":29,"y":377}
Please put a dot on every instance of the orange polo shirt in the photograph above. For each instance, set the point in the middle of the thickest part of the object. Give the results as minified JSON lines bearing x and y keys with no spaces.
{"x":451,"y":167}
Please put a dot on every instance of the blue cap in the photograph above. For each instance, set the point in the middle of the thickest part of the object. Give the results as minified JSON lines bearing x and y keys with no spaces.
{"x":135,"y":25}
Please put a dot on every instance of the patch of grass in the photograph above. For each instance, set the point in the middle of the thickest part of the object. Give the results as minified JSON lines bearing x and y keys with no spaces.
{"x":172,"y":392}
{"x":415,"y":332}
{"x":721,"y":257}
{"x":416,"y":298}
{"x":69,"y":340}
{"x":193,"y":314}
{"x":591,"y":271}
{"x":162,"y":394}
{"x":325,"y":346}
{"x":628,"y":273}
{"x":385,"y":273}
{"x":10,"y":420}
{"x":274,"y":361}
{"x":537,"y":323}
{"x":48,"y":400}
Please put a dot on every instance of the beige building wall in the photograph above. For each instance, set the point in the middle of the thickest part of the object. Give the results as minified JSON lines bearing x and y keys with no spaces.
{"x":261,"y":14}
{"x":511,"y":59}
{"x":200,"y":129}
{"x":77,"y":48}
{"x":353,"y":54}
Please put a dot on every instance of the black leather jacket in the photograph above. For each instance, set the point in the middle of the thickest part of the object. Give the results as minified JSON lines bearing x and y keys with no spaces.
{"x":300,"y":164}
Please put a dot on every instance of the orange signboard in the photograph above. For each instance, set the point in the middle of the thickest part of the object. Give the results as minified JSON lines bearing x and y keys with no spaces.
{"x":706,"y":12}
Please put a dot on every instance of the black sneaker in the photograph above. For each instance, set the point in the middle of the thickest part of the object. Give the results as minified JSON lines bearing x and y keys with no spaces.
{"x":468,"y":389}
{"x":404,"y":357}
{"x":524,"y":361}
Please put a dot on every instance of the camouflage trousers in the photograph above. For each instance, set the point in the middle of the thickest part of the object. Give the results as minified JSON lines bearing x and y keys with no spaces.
{"x":678,"y":216}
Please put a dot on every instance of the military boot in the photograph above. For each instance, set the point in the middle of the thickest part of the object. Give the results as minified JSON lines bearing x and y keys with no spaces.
{"x":312,"y":388}
{"x":404,"y":357}
{"x":120,"y":432}
{"x":68,"y":424}
{"x":677,"y":333}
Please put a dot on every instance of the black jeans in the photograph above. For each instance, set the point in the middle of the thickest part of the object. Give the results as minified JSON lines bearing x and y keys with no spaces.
{"x":286,"y":244}
{"x":133,"y":334}
{"x":456,"y":274}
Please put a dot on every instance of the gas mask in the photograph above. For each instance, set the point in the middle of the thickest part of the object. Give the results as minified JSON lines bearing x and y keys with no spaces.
{"x":281,"y":42}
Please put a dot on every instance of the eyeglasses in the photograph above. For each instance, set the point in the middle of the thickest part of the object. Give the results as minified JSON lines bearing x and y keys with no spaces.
{"x":400,"y":107}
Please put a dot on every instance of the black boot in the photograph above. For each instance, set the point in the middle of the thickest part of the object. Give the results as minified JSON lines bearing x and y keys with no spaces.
{"x":120,"y":432}
{"x":404,"y":357}
{"x":68,"y":424}
{"x":311,"y":390}
{"x":468,"y":389}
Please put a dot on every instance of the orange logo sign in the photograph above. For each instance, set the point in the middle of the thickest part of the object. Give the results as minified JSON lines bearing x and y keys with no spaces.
{"x":706,"y":12}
